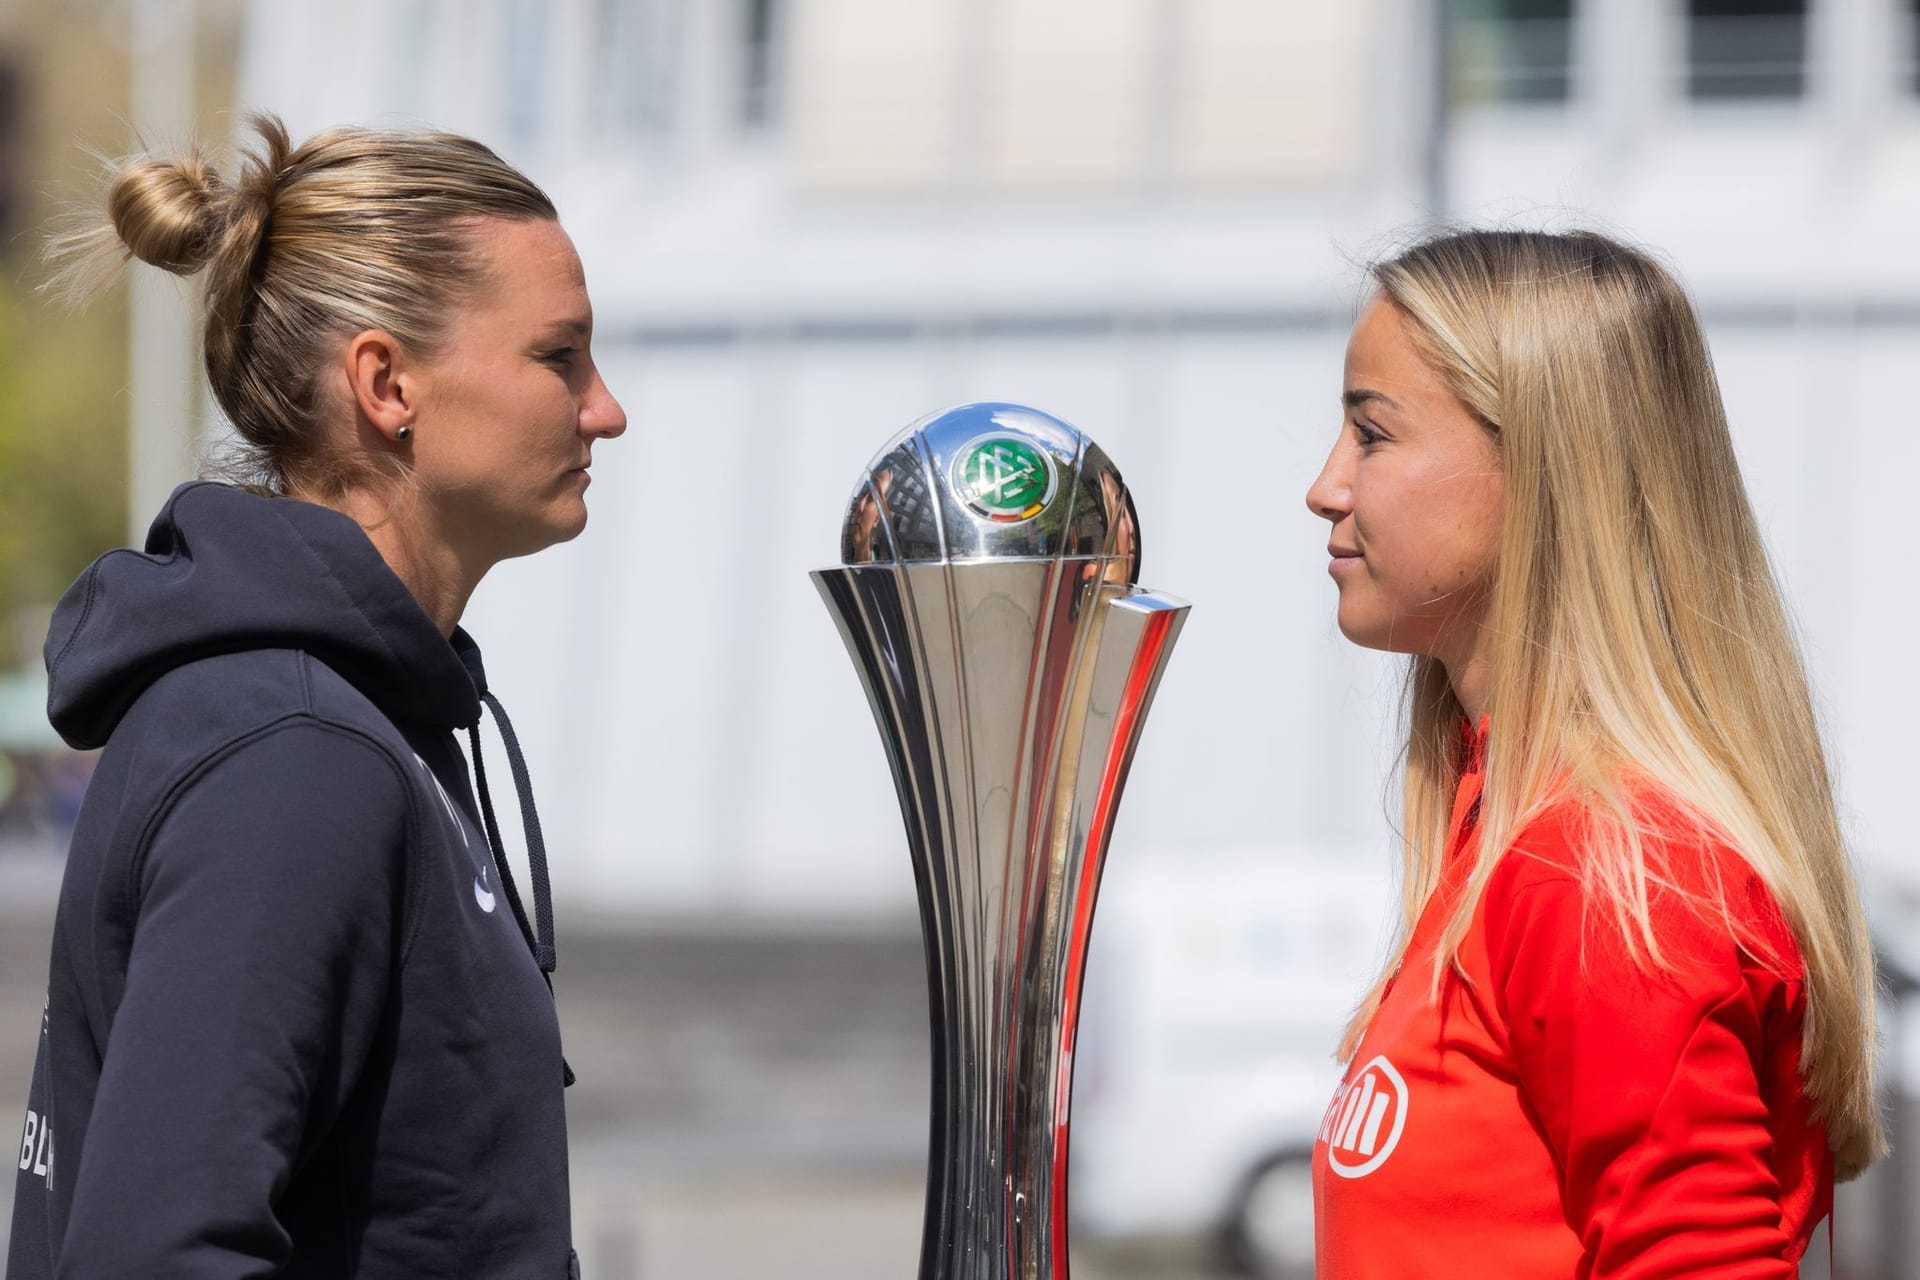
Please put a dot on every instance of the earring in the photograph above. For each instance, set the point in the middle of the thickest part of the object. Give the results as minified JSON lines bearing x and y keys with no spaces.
{"x":403,"y":434}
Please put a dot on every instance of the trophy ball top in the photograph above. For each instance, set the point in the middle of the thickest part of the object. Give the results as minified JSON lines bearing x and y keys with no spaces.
{"x":991,"y":481}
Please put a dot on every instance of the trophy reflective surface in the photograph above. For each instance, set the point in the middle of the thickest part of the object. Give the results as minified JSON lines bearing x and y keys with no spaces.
{"x":988,"y":601}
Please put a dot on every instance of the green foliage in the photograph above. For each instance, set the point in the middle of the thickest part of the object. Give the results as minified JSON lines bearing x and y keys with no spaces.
{"x":63,"y":451}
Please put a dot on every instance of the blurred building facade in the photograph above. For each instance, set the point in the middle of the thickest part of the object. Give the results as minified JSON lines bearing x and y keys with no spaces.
{"x":807,"y":222}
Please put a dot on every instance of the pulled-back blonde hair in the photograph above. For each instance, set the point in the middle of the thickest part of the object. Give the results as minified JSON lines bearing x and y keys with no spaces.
{"x":1635,"y":632}
{"x":354,"y":229}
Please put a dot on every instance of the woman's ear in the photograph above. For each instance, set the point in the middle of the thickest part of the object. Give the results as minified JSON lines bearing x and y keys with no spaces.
{"x":382,"y":390}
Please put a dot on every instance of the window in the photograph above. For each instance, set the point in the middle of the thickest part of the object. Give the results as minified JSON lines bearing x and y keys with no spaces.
{"x":637,"y":55}
{"x":1910,"y":72}
{"x":757,"y":62}
{"x":1509,"y":51}
{"x":526,"y":59}
{"x":1746,"y":49}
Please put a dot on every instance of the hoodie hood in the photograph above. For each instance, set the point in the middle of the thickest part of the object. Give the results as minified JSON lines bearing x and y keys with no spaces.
{"x":225,"y":571}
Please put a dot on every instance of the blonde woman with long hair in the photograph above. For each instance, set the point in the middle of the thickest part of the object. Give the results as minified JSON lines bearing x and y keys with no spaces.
{"x":1626,"y":1028}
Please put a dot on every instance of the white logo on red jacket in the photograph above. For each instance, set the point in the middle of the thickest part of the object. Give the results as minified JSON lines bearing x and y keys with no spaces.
{"x":1365,"y":1119}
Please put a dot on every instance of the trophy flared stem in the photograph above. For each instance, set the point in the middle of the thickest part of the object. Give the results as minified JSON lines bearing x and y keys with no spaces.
{"x":1010,"y":695}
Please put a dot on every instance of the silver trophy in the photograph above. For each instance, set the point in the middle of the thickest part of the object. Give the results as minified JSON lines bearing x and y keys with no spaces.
{"x":988,"y":602}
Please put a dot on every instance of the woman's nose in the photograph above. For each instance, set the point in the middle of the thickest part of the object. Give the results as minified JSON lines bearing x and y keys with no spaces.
{"x":601,"y":415}
{"x":1330,"y":496}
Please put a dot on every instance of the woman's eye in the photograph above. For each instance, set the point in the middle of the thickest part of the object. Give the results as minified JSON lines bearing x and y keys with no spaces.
{"x":1366,"y":434}
{"x":561,"y":356}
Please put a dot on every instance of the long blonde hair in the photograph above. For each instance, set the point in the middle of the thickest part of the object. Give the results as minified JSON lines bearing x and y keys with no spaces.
{"x":353,"y":229}
{"x":1637,"y":639}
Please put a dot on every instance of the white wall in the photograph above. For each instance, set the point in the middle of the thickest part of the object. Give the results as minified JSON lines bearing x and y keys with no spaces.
{"x":774,"y":305}
{"x":701,"y":740}
{"x":724,"y":756}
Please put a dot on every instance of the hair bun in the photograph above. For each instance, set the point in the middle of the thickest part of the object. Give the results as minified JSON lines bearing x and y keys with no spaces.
{"x":169,"y":212}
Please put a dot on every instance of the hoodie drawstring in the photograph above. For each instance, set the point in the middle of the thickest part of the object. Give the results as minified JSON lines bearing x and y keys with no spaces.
{"x":539,"y":934}
{"x":494,"y":844}
{"x":540,"y":937}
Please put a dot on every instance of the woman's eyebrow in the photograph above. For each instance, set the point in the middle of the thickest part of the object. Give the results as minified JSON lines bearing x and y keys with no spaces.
{"x":1360,"y":395}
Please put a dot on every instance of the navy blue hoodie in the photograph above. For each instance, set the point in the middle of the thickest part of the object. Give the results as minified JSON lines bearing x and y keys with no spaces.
{"x":293,"y":1026}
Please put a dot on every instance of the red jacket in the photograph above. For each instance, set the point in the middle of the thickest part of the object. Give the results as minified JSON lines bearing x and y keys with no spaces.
{"x":1564,"y":1111}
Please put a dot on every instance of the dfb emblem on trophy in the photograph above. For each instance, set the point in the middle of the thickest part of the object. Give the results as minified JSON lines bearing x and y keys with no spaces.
{"x":1003,"y":478}
{"x":987,"y":597}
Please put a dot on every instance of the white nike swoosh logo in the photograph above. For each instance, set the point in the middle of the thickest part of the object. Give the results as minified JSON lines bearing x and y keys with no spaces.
{"x":482,"y":894}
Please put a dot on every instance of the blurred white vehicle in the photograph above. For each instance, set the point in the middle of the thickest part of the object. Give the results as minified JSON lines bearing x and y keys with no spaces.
{"x":1216,"y":990}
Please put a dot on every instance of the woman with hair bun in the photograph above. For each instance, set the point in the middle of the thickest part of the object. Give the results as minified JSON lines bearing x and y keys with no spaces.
{"x":298,"y":1022}
{"x":1627,"y":1027}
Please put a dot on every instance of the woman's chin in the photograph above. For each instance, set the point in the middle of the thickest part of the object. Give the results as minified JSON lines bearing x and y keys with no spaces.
{"x":573,"y":522}
{"x":566,"y":519}
{"x":1356,"y":626}
{"x":562,"y":524}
